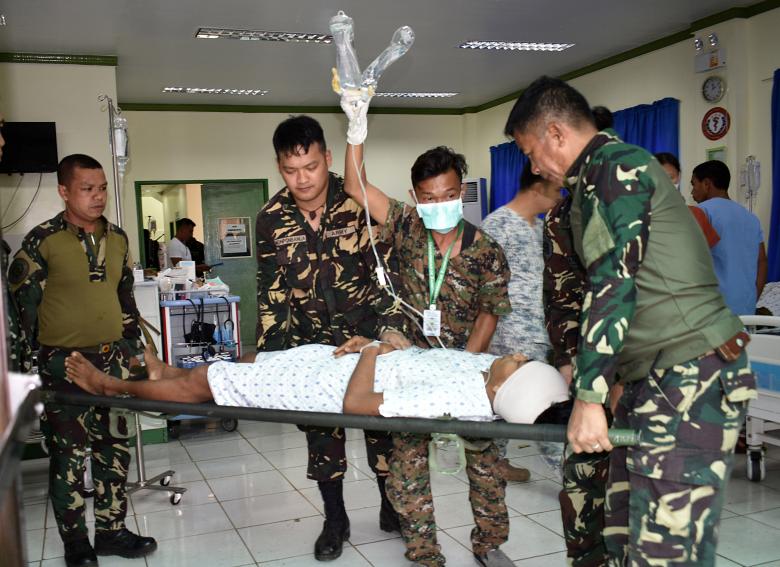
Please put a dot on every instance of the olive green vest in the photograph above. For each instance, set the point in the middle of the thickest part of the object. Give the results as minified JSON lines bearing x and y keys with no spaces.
{"x":680,"y":314}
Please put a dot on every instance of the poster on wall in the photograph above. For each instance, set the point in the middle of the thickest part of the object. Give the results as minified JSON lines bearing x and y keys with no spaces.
{"x":234,"y":237}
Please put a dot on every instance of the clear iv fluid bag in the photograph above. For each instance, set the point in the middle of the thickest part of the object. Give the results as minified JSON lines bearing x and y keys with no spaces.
{"x":342,"y":29}
{"x":403,"y":38}
{"x":346,"y":61}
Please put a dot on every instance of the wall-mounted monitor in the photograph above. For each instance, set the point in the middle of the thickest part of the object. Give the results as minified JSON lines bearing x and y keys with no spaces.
{"x":30,"y":147}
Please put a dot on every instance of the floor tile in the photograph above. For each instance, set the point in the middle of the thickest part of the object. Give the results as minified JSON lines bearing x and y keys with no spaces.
{"x":220,"y":549}
{"x":388,"y":553}
{"x":297,"y":476}
{"x":550,"y":520}
{"x":526,"y":539}
{"x":146,"y":501}
{"x":282,"y":540}
{"x":454,"y":510}
{"x":360,"y":494}
{"x":354,"y":434}
{"x":249,"y":429}
{"x":34,"y":516}
{"x":35,"y":493}
{"x":220,"y":449}
{"x":288,"y":457}
{"x":171,"y":452}
{"x":538,"y":468}
{"x":362,"y":465}
{"x":517,"y":448}
{"x":110,"y":561}
{"x":356,"y":449}
{"x":184,"y":471}
{"x":232,"y":466}
{"x":270,"y":508}
{"x":721,"y":561}
{"x":278,"y":442}
{"x":349,"y":558}
{"x":182,"y":522}
{"x":748,"y":542}
{"x":211,"y":436}
{"x":745,"y":497}
{"x":769,"y":517}
{"x":254,"y":484}
{"x":33,"y":541}
{"x":441,"y":485}
{"x":550,"y":560}
{"x":457,"y":553}
{"x":364,"y":527}
{"x":533,"y":497}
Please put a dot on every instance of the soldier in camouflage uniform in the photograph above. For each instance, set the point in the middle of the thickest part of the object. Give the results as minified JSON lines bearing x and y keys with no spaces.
{"x":473,"y":295}
{"x":584,"y":474}
{"x":653,"y":316}
{"x":316,"y":284}
{"x":72,"y":279}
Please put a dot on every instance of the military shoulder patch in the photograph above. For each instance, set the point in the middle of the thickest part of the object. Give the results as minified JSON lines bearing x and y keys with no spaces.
{"x":18,"y":271}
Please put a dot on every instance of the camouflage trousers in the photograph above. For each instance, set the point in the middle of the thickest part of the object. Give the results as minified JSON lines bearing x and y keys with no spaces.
{"x":69,"y":431}
{"x":409,"y":491}
{"x":665,"y":496}
{"x":582,"y":508}
{"x":328,"y":455}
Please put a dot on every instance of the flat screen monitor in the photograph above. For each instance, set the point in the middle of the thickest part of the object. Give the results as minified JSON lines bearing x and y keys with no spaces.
{"x":30,"y":147}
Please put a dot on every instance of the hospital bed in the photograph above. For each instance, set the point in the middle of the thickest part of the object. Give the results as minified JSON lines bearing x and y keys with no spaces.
{"x":764,"y":412}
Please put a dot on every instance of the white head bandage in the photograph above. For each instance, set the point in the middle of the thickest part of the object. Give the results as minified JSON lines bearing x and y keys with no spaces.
{"x":530,"y":390}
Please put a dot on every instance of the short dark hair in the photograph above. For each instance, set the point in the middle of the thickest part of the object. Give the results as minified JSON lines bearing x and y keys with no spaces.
{"x":547,"y":98}
{"x":298,"y":132}
{"x":528,"y":177}
{"x":69,"y":163}
{"x":184,"y":221}
{"x":437,"y":161}
{"x":716,"y":171}
{"x":603,"y":117}
{"x":667,"y":158}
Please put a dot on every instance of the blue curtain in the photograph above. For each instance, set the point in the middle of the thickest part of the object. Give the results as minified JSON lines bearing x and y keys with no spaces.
{"x":655,"y":127}
{"x":506,"y":164}
{"x":774,"y":220}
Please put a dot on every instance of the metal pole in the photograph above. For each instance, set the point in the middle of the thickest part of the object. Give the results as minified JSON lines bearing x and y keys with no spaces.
{"x":117,"y":180}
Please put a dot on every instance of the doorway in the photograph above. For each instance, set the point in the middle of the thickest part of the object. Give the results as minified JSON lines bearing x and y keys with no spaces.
{"x":212,"y":205}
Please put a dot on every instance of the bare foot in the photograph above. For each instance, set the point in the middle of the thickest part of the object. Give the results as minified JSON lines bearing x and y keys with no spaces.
{"x":83,"y":372}
{"x":154,"y":366}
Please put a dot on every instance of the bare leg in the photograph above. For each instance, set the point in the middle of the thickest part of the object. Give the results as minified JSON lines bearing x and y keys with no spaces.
{"x":192,"y":386}
{"x":157,"y":369}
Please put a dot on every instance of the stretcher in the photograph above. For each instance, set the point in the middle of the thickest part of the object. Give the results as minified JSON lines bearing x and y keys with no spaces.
{"x":763,"y":414}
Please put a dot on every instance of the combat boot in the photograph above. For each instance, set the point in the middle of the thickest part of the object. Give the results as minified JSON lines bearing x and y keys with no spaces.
{"x":79,"y":553}
{"x":388,"y":517}
{"x":123,"y":543}
{"x":335,"y":530}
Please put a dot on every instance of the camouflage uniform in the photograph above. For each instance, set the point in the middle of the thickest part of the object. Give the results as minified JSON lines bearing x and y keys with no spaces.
{"x":584,"y":474}
{"x":57,"y":274}
{"x":657,"y":320}
{"x":476,"y":280}
{"x":17,"y":344}
{"x":319,"y":287}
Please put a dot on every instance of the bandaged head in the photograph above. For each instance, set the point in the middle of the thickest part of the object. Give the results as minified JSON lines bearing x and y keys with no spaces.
{"x":528,"y":391}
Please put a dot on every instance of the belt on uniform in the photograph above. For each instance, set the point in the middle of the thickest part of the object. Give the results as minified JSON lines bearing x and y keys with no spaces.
{"x":102,"y":348}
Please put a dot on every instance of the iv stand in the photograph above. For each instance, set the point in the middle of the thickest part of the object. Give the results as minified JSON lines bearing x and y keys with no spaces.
{"x":112,"y":113}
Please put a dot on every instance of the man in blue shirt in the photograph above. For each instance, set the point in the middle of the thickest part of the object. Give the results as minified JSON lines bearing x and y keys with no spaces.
{"x":739,"y":257}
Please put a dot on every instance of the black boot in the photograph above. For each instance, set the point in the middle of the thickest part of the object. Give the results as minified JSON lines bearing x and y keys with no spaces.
{"x":388,"y":517}
{"x":79,"y":553}
{"x":335,"y":530}
{"x":123,"y":543}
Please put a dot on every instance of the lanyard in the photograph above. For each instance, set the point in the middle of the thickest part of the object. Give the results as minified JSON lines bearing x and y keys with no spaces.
{"x":435,"y":285}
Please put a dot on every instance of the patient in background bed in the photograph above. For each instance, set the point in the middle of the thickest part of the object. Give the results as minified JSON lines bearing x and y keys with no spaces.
{"x":379,"y":381}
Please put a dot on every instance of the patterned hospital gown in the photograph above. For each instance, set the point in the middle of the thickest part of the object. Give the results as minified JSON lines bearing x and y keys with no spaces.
{"x":416,"y":382}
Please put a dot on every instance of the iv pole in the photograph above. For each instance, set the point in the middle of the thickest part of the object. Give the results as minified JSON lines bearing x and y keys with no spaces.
{"x":114,"y":130}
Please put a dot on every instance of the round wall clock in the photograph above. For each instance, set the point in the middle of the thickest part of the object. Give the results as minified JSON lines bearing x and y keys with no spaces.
{"x":716,"y":123}
{"x":713,"y":88}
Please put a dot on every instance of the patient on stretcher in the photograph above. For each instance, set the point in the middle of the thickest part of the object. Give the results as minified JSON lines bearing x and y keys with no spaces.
{"x":415,"y":382}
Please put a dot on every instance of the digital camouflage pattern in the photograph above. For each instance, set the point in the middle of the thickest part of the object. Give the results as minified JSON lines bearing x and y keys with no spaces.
{"x":665,"y":496}
{"x":476,"y":279}
{"x":409,"y":491}
{"x":69,"y":430}
{"x":321,"y":288}
{"x":584,"y":475}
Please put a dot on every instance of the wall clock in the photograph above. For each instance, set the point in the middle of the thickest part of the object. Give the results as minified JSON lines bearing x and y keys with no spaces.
{"x":716,"y":123}
{"x":713,"y":88}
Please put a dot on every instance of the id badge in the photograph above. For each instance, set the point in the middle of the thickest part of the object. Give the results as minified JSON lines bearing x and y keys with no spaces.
{"x":432,"y":322}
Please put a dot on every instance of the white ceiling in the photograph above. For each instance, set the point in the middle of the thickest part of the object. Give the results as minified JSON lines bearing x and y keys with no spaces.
{"x":156,"y":46}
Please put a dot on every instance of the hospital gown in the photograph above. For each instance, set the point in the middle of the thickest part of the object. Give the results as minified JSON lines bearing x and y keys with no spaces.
{"x":416,"y":382}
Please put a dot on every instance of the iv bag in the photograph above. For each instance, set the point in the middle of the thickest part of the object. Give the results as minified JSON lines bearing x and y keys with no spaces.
{"x":403,"y":38}
{"x":346,"y":60}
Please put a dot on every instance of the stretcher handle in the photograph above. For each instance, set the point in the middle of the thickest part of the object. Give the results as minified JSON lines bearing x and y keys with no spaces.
{"x":623,"y":437}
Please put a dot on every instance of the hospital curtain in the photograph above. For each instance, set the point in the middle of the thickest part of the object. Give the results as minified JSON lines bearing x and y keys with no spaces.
{"x":774,"y":221}
{"x":654,"y":127}
{"x":506,"y":164}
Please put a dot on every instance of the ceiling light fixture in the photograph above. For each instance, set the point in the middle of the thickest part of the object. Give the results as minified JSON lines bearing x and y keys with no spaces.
{"x":515,"y":46}
{"x":259,"y":35}
{"x":698,"y":44}
{"x":416,"y":95}
{"x":713,"y":40}
{"x":198,"y":90}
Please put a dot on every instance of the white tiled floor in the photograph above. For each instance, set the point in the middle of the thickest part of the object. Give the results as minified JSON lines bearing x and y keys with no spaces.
{"x":248,"y":502}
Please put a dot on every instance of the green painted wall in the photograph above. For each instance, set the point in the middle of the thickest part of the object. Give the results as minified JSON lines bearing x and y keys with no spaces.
{"x":221,"y":200}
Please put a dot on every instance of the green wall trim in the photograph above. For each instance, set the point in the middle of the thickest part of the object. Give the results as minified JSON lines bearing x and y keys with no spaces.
{"x":59,"y":59}
{"x":249,"y":108}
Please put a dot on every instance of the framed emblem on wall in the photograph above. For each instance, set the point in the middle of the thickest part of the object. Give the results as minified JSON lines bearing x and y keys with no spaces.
{"x":716,"y":123}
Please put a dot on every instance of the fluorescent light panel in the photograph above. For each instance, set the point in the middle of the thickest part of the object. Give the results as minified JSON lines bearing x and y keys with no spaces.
{"x":260,"y":35}
{"x":199,"y":90}
{"x":515,"y":46}
{"x":416,"y":95}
